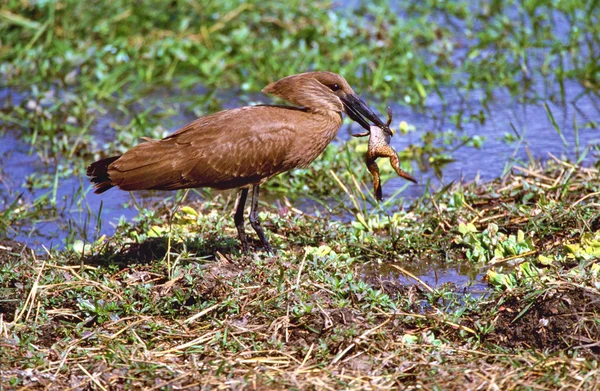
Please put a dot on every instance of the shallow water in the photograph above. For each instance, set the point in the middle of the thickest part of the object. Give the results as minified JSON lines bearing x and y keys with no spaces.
{"x":75,"y":216}
{"x":463,"y":278}
{"x":531,"y":121}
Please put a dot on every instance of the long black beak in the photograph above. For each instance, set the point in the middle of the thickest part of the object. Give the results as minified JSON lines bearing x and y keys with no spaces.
{"x":358,"y":111}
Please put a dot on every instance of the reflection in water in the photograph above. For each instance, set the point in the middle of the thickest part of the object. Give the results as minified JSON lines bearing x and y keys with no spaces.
{"x":461,"y":278}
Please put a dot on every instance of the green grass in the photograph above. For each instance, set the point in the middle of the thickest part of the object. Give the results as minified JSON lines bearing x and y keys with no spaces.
{"x":169,"y":301}
{"x":172,"y":301}
{"x":111,"y":54}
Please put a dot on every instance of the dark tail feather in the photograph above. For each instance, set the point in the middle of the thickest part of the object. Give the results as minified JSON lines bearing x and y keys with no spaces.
{"x":98,"y":173}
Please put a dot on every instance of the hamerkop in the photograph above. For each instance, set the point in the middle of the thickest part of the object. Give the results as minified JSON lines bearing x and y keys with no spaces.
{"x":242,"y":147}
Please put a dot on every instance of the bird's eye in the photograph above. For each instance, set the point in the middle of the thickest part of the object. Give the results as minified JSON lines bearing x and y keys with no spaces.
{"x":334,"y":87}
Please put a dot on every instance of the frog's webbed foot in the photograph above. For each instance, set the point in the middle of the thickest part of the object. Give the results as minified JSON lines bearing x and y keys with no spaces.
{"x":389,"y":113}
{"x":361,"y":134}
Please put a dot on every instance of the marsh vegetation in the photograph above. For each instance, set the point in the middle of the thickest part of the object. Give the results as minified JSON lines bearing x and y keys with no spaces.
{"x":485,"y":275}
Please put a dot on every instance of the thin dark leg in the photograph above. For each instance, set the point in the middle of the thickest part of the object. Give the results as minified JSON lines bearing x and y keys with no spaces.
{"x":240,"y":203}
{"x":254,"y":220}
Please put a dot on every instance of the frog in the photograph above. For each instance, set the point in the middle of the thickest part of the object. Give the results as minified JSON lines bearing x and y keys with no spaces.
{"x":379,"y":146}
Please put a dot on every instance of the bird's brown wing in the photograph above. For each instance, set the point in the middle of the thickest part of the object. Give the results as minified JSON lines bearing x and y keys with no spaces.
{"x":228,"y":149}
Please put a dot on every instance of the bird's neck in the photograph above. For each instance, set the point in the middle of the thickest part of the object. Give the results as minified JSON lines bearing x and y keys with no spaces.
{"x":329,"y":122}
{"x":316,"y":135}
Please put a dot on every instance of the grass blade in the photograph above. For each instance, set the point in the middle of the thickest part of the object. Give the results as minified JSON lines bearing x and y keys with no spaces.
{"x":556,"y":127}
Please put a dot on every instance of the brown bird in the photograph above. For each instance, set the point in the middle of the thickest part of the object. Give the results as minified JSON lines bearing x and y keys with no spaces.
{"x":242,"y":147}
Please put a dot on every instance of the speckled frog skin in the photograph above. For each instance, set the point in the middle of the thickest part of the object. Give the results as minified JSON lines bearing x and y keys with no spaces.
{"x":379,"y":146}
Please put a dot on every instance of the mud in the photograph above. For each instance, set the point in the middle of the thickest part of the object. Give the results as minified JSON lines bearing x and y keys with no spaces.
{"x":562,"y":318}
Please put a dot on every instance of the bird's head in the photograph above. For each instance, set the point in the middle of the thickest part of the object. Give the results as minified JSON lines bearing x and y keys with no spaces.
{"x":324,"y":91}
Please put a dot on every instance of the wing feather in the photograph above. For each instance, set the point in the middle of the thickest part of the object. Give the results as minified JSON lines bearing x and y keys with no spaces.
{"x":228,"y":149}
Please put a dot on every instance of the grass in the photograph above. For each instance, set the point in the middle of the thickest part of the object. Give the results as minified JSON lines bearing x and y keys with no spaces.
{"x":159,"y":306}
{"x":169,"y":302}
{"x":184,"y":44}
{"x":84,"y":82}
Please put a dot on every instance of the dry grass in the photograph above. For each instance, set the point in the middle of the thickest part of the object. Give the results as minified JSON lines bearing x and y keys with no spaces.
{"x":306,"y":319}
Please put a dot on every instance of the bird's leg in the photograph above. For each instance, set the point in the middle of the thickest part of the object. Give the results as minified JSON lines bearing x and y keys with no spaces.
{"x":238,"y":218}
{"x":254,"y":220}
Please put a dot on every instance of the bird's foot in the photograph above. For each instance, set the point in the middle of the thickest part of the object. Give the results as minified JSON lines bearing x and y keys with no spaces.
{"x":269,"y":249}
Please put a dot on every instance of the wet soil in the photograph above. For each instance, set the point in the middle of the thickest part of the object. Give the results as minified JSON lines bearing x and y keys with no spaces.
{"x":562,"y":318}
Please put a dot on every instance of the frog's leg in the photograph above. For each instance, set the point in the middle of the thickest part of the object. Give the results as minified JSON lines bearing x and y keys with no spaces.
{"x":395,"y":162}
{"x":374,"y":170}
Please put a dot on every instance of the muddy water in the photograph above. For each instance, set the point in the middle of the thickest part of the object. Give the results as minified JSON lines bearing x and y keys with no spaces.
{"x":462,"y":278}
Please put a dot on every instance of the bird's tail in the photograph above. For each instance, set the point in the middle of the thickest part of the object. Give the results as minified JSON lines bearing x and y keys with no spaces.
{"x":98,"y":173}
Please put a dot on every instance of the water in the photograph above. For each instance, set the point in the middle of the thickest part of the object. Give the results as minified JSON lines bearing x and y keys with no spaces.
{"x":531,"y":121}
{"x":75,"y":212}
{"x":462,"y":278}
